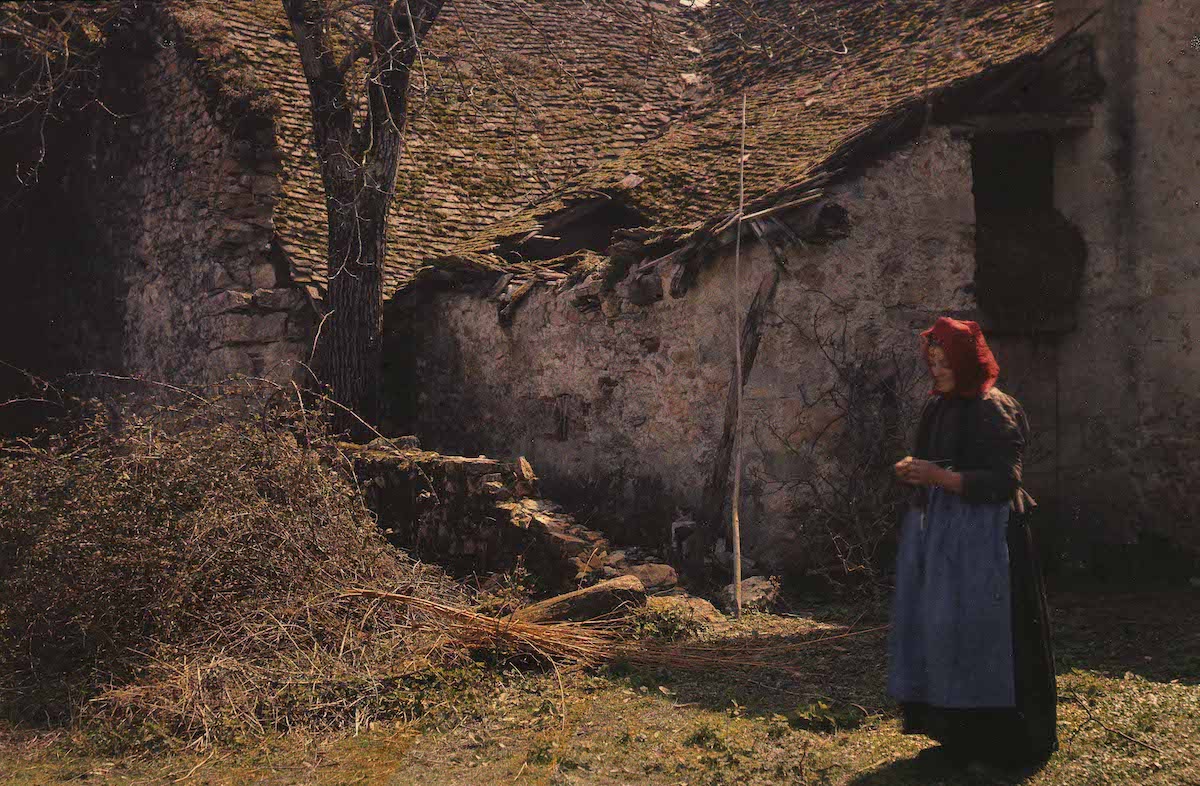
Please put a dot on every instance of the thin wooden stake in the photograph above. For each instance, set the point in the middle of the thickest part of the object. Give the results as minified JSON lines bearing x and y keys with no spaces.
{"x":737,"y":343}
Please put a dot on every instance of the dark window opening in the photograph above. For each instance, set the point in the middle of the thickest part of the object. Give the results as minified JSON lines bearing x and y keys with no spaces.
{"x":1028,"y":257}
{"x":1013,"y":173}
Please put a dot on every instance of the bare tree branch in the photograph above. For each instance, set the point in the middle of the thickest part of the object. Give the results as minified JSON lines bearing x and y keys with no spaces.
{"x":49,"y":63}
{"x":842,"y":493}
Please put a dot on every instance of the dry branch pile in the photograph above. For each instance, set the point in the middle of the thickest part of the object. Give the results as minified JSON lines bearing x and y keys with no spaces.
{"x":178,"y":567}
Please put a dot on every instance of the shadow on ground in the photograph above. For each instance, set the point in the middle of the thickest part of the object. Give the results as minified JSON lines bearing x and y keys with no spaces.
{"x":930,"y":768}
{"x":1153,"y":634}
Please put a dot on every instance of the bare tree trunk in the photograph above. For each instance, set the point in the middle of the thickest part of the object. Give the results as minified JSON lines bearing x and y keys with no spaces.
{"x":358,"y":167}
{"x":349,"y":353}
{"x":348,"y":356}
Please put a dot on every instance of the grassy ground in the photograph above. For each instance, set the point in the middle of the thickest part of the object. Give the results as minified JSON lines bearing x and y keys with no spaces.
{"x":1129,"y":712}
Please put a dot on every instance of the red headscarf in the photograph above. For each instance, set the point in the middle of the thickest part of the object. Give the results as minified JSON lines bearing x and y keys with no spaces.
{"x":967,"y":353}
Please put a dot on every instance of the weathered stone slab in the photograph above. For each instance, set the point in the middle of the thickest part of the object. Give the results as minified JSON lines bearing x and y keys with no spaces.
{"x":758,"y":594}
{"x":698,"y":608}
{"x":655,"y":576}
{"x":473,"y":515}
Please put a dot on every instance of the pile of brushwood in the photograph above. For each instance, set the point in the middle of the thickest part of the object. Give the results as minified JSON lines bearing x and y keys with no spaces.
{"x":176,"y":569}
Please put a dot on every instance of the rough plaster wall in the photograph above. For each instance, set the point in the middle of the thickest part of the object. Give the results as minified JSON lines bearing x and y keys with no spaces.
{"x":1131,"y":371}
{"x":627,"y":399}
{"x":631,"y":399}
{"x":187,"y":210}
{"x":910,"y":258}
{"x":910,"y":254}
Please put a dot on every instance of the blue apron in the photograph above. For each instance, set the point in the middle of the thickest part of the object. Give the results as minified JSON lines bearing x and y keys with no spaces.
{"x":951,"y":639}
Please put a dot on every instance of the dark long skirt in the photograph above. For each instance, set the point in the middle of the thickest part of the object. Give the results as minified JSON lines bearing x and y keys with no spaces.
{"x":1023,"y":733}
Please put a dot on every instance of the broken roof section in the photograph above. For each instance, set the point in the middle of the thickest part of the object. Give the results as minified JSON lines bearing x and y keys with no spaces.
{"x":526,"y":112}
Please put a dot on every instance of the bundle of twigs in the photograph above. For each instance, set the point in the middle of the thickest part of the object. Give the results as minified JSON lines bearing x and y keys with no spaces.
{"x":168,"y":562}
{"x":564,"y":642}
{"x":592,"y":644}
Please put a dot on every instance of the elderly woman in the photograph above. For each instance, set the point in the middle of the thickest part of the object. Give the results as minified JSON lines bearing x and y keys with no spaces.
{"x":970,"y":658}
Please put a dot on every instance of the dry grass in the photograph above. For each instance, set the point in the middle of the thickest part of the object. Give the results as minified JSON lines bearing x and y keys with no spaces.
{"x":563,"y":642}
{"x":663,"y":727}
{"x":201,"y":567}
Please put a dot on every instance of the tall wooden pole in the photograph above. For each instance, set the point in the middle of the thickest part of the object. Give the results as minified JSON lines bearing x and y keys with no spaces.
{"x":737,"y":345}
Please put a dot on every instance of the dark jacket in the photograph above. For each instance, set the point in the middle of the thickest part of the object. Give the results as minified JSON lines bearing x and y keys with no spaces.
{"x":984,"y":439}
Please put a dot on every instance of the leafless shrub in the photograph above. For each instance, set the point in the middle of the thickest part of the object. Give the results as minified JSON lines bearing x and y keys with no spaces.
{"x":852,"y":428}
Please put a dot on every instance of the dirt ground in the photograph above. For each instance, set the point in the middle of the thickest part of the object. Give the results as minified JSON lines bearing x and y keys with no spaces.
{"x":1129,"y":712}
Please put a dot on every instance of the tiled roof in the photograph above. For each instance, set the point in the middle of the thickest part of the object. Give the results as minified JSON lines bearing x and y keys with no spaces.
{"x":815,"y":76}
{"x":513,"y":99}
{"x":527,"y":107}
{"x":821,"y":81}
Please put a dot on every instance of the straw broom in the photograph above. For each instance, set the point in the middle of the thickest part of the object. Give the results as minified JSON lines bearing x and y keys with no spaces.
{"x":597,"y":643}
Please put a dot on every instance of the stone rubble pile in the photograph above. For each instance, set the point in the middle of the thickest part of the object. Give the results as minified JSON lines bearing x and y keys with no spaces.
{"x":478,"y":515}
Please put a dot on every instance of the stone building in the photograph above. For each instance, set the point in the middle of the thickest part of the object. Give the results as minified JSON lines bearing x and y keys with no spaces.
{"x":565,"y":277}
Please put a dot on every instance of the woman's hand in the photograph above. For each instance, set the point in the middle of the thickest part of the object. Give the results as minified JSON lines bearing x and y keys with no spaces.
{"x":918,"y":472}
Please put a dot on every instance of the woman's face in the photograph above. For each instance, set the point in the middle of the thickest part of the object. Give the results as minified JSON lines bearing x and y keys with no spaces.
{"x":939,"y":369}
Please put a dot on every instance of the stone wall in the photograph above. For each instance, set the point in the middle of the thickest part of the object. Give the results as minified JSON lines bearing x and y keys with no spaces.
{"x":1130,"y":373}
{"x":183,"y":191}
{"x":624,"y":404}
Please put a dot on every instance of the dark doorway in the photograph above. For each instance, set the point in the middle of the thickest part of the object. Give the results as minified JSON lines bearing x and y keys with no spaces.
{"x":62,"y":309}
{"x":1029,"y":257}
